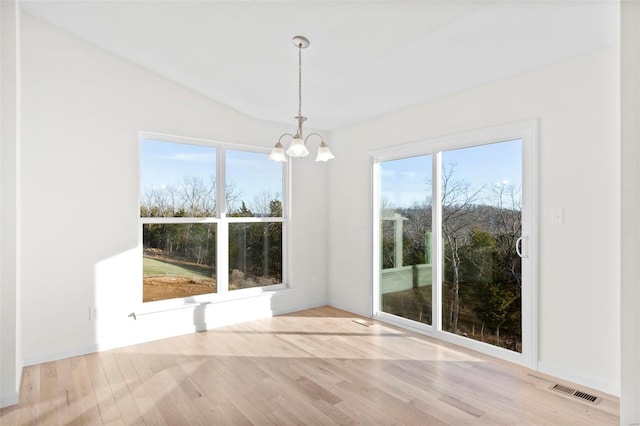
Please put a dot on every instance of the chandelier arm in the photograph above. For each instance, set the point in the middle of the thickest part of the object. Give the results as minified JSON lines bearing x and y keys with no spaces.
{"x":313,"y":134}
{"x":283,"y":135}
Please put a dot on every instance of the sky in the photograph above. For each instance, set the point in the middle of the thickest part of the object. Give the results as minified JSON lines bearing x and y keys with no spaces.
{"x":164,"y":164}
{"x":407,"y":181}
{"x":252,"y":174}
{"x":404,"y":182}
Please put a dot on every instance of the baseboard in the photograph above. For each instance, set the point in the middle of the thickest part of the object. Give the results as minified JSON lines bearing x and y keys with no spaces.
{"x":580,"y":379}
{"x":55,"y":356}
{"x":350,"y":309}
{"x":192,"y":328}
{"x":297,"y":308}
{"x":11,"y":399}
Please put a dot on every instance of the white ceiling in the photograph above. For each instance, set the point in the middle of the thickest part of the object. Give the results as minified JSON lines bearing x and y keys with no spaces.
{"x":366,"y":57}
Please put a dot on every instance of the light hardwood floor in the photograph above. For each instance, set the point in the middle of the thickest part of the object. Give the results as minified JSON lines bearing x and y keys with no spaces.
{"x":313,"y":367}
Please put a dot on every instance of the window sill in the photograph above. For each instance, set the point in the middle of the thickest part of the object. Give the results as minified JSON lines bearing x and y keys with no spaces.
{"x":191,"y":302}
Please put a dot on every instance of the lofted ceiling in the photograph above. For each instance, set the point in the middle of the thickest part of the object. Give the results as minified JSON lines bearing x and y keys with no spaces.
{"x":366,"y":57}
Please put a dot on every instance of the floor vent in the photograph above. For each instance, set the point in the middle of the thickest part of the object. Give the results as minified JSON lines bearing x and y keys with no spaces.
{"x":363,"y":322}
{"x":576,"y":393}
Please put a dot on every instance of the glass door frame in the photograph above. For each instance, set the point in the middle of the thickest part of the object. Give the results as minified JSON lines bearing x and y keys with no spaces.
{"x":527,"y":132}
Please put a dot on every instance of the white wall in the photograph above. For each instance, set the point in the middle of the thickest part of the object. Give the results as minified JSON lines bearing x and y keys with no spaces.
{"x":10,"y":235}
{"x":576,"y":102}
{"x":82,"y":110}
{"x":630,"y":226}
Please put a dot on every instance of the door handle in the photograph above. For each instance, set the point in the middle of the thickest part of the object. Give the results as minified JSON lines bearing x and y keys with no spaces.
{"x":519,"y":242}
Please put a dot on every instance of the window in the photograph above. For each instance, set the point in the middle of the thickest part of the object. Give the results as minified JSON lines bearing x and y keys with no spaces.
{"x":204,"y":206}
{"x":254,"y":208}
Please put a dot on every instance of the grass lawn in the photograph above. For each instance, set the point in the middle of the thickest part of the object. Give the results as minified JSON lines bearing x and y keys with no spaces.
{"x":156,"y":267}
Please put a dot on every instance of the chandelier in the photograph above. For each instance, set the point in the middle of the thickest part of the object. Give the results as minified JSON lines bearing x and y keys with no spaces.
{"x":298,"y":147}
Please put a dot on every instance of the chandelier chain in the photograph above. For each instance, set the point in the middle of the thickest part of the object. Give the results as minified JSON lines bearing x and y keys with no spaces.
{"x":299,"y":79}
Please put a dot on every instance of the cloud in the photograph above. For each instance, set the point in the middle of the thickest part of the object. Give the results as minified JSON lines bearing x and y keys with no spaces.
{"x":191,"y":158}
{"x":387,"y":173}
{"x":408,"y":175}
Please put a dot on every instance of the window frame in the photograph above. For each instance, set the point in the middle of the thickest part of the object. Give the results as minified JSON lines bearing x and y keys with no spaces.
{"x":222,"y":221}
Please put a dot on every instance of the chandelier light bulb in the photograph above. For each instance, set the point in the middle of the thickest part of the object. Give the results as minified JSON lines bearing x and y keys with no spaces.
{"x":324,"y":153}
{"x":297,"y":148}
{"x":277,"y":154}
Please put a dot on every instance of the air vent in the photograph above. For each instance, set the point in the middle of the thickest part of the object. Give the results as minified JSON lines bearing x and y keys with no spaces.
{"x":363,"y":322}
{"x":576,"y":393}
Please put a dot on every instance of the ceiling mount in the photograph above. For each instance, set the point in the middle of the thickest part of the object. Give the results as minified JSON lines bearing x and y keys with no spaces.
{"x":301,"y":42}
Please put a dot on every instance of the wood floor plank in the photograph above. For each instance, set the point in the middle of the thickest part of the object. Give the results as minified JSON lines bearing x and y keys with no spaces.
{"x":83,"y":396}
{"x":50,"y":397}
{"x":144,"y":402}
{"x":103,"y":393}
{"x":127,"y":407}
{"x":29,"y":396}
{"x":318,"y":366}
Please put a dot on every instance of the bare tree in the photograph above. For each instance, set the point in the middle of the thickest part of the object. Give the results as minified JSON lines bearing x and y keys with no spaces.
{"x":508,"y":228}
{"x":458,"y":200}
{"x":415,"y":229}
{"x":193,"y":197}
{"x":232,"y":195}
{"x":160,"y":202}
{"x":261,"y":205}
{"x":198,"y":198}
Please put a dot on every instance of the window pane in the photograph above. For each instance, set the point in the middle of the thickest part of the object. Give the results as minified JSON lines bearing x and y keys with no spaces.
{"x":255,"y":254}
{"x":405,"y":214}
{"x":481,"y":224}
{"x":179,"y":260}
{"x":254,"y":185}
{"x":177,"y":180}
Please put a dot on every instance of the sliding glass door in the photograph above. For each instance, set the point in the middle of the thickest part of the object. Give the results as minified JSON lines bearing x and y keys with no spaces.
{"x":452,"y":233}
{"x":405,"y":238}
{"x":481,"y":216}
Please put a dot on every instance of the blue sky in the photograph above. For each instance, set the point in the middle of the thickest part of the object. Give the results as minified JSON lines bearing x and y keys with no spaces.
{"x":164,"y":164}
{"x":407,"y":181}
{"x":252,"y":174}
{"x":403,"y":182}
